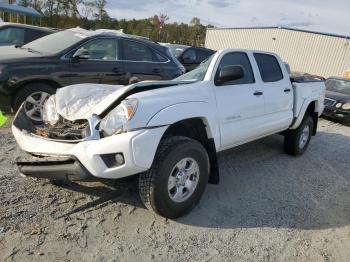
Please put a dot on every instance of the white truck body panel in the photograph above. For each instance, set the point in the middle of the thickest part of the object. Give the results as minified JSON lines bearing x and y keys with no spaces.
{"x":232,"y":115}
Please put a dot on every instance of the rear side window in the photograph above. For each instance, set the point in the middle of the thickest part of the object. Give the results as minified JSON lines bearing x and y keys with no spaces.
{"x":242,"y":60}
{"x":159,"y":58}
{"x":269,"y":67}
{"x":134,"y":51}
{"x":202,"y":55}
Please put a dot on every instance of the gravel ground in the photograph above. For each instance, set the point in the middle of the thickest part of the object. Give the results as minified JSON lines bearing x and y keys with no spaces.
{"x":268,"y":207}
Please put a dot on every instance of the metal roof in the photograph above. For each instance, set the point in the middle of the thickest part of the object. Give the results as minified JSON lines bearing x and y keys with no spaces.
{"x":28,"y":11}
{"x":285,"y":28}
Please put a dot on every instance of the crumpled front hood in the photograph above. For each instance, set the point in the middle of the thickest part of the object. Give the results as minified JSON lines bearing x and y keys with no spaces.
{"x":83,"y":100}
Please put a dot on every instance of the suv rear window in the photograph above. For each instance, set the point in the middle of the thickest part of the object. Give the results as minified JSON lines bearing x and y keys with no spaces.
{"x":269,"y":67}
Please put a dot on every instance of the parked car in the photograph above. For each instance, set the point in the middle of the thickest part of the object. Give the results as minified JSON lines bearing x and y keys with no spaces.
{"x":168,"y":132}
{"x":20,"y":34}
{"x":190,"y":57}
{"x":34,"y":71}
{"x":337,"y":102}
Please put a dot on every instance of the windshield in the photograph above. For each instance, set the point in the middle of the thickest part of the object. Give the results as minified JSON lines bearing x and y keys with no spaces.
{"x":55,"y":43}
{"x":338,"y":85}
{"x":177,"y":50}
{"x":199,"y":73}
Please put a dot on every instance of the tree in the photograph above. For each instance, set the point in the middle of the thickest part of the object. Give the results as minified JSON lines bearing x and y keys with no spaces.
{"x":25,"y":3}
{"x":195,"y":21}
{"x":101,"y":12}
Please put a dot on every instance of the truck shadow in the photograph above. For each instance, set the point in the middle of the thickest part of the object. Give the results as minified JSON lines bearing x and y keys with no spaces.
{"x":263,"y":187}
{"x":104,"y":193}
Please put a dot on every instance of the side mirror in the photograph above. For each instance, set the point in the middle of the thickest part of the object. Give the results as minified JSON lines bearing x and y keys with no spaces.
{"x":229,"y":73}
{"x":81,"y":54}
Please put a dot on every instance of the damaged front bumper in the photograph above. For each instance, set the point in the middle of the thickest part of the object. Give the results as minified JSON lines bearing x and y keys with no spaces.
{"x":56,"y":168}
{"x":87,"y":158}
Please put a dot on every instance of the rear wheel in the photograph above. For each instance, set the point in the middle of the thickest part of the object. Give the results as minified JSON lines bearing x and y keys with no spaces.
{"x":33,"y":96}
{"x":296,"y":141}
{"x":177,"y":178}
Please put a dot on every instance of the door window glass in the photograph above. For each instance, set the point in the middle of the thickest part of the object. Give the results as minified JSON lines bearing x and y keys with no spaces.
{"x":134,"y":51}
{"x":240,"y":59}
{"x":12,"y":35}
{"x":102,"y":49}
{"x":269,"y":67}
{"x":159,"y":58}
{"x":190,"y":56}
{"x":202,"y":55}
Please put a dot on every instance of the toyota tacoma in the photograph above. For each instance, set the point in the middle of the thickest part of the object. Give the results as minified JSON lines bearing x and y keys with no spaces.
{"x":168,"y":133}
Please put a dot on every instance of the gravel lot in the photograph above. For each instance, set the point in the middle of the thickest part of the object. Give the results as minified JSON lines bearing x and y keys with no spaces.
{"x":268,"y":207}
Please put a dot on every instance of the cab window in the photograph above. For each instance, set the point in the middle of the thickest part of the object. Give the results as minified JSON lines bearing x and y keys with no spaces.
{"x":269,"y":67}
{"x":240,"y":59}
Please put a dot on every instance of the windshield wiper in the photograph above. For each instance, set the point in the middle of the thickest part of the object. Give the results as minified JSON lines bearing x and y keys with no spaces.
{"x":34,"y":51}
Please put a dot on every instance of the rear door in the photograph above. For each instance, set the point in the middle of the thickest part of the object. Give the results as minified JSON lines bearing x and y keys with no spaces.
{"x":102,"y":65}
{"x":141,"y":62}
{"x":240,"y":103}
{"x":277,"y":90}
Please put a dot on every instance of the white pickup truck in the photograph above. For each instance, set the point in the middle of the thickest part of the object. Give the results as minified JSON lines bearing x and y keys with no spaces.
{"x":167,"y":133}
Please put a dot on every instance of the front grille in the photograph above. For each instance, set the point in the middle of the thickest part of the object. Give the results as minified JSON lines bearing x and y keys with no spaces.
{"x":329,"y":102}
{"x":64,"y":130}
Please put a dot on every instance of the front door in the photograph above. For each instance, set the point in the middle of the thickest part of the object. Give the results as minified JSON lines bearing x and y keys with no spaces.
{"x":240,"y":103}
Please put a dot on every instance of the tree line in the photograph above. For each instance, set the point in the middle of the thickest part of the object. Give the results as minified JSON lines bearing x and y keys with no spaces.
{"x":92,"y":14}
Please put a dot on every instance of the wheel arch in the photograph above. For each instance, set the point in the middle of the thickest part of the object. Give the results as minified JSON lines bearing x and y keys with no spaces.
{"x":197,"y":128}
{"x":310,"y":109}
{"x":49,"y":82}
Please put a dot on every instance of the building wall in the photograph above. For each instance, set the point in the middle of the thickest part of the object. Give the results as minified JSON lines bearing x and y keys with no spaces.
{"x":305,"y":52}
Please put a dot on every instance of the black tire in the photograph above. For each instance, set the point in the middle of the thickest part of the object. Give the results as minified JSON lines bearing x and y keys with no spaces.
{"x":153,"y":184}
{"x":292,"y":138}
{"x":29,"y":89}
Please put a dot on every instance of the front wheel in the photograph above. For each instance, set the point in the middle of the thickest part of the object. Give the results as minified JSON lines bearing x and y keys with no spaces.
{"x":177,"y":178}
{"x":296,"y":141}
{"x":33,"y":97}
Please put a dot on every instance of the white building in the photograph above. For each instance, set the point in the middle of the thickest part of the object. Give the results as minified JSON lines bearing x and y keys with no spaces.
{"x":306,"y":51}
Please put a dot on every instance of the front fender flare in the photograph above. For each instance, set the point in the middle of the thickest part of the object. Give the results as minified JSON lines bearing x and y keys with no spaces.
{"x":186,"y":110}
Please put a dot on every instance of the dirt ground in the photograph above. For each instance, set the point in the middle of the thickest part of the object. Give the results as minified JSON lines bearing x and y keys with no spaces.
{"x":268,"y":207}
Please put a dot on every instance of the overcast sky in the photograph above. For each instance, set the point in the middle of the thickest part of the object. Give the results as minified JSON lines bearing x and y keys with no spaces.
{"x":318,"y":15}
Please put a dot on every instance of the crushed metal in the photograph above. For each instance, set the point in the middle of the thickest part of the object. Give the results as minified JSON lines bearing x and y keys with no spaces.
{"x":65,"y":130}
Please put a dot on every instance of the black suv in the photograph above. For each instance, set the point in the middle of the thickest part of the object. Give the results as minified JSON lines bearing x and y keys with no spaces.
{"x":189,"y":56}
{"x":34,"y":71}
{"x":19,"y":34}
